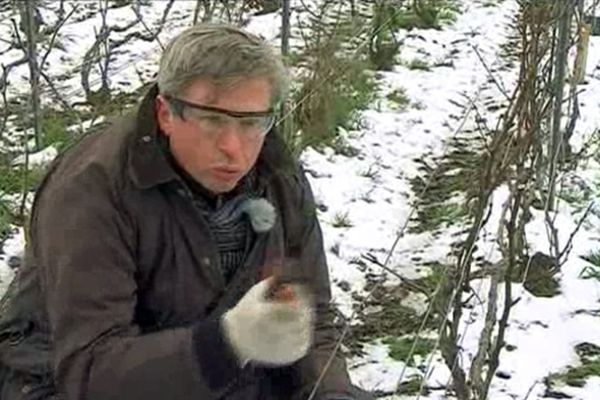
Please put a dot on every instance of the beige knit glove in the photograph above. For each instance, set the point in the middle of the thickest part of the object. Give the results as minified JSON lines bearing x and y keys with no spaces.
{"x":268,"y":331}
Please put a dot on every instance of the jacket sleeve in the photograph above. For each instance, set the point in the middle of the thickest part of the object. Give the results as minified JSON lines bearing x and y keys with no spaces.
{"x":336,"y":382}
{"x":85,"y":247}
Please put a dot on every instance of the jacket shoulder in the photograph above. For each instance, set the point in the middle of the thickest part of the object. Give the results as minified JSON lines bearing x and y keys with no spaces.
{"x":296,"y":206}
{"x":97,"y":156}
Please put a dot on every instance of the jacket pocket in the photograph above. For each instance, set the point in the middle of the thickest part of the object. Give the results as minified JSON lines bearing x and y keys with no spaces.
{"x":22,"y":386}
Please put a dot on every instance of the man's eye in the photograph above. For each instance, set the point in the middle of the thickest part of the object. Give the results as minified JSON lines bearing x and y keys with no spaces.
{"x":250,"y":123}
{"x":213,"y":120}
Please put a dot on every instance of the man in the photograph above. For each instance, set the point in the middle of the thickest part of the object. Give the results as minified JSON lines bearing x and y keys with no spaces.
{"x":177,"y":255}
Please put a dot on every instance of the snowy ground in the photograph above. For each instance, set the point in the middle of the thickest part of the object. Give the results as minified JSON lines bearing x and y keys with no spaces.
{"x":373,"y":190}
{"x":544,"y":331}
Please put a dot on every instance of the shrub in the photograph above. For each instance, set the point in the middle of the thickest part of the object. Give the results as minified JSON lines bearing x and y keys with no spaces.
{"x":54,"y":128}
{"x":427,"y":14}
{"x":336,"y":85}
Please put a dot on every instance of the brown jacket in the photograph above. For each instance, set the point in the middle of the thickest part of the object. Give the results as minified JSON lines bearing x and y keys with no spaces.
{"x":128,"y":274}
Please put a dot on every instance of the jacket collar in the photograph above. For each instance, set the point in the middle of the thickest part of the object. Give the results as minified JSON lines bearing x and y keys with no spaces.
{"x":147,"y":163}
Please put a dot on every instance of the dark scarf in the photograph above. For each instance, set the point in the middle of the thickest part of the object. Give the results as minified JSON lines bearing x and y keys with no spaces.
{"x":229,"y":224}
{"x":225,"y":214}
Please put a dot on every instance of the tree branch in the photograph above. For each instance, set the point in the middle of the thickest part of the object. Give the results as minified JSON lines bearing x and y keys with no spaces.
{"x":55,"y":30}
{"x":564,"y":254}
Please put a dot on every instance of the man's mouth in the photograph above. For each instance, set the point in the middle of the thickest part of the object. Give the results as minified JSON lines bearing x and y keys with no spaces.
{"x":226,"y":173}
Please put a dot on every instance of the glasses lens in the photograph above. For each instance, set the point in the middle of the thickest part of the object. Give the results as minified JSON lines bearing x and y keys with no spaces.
{"x":204,"y":117}
{"x":256,"y":126}
{"x":213,"y":120}
{"x":267,"y":123}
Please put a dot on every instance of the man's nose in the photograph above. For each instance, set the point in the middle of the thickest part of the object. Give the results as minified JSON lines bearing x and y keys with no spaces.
{"x":229,"y":141}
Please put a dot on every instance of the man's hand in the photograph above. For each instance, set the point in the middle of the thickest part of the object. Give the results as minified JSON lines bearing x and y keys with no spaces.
{"x":270,"y":330}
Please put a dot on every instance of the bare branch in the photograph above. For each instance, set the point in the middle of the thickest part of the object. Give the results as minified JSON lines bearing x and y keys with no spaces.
{"x":140,"y":75}
{"x":154,"y":36}
{"x":196,"y":12}
{"x":226,"y":10}
{"x":209,"y":10}
{"x":104,"y":62}
{"x":240,"y":15}
{"x":55,"y":31}
{"x":408,"y":282}
{"x":11,"y":44}
{"x":485,"y":339}
{"x":151,"y":36}
{"x":31,"y":27}
{"x":563,"y":255}
{"x":514,"y":251}
{"x":17,"y":35}
{"x":307,"y":9}
{"x":102,"y":38}
{"x":530,"y":390}
{"x":496,"y":81}
{"x":7,"y":68}
{"x":5,"y":109}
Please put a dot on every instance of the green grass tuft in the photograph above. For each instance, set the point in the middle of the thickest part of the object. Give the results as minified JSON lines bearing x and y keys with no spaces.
{"x":341,"y":220}
{"x":400,"y":98}
{"x":399,"y":348}
{"x":589,"y":355}
{"x":419,"y":65}
{"x":412,"y":387}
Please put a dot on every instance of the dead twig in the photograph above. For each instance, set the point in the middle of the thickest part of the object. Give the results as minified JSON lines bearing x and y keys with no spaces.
{"x":61,"y":22}
{"x":408,"y":282}
{"x":151,"y":36}
{"x":496,"y":81}
{"x":564,"y":254}
{"x":102,"y":39}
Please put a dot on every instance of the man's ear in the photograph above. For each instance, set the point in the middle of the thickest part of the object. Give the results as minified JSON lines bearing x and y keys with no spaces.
{"x":164,"y":117}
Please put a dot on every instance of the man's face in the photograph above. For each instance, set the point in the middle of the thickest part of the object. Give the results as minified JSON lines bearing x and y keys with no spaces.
{"x":219,"y":145}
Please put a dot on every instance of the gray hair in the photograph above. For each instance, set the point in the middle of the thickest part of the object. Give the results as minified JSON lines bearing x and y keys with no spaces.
{"x":222,"y":54}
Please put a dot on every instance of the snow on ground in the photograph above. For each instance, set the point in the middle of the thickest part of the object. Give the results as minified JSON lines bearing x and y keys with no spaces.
{"x":391,"y":142}
{"x":544,"y":331}
{"x":11,"y":247}
{"x":372,"y":189}
{"x":39,"y":159}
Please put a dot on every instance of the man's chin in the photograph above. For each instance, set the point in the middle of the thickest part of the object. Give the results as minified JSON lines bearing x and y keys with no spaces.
{"x":220,"y":187}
